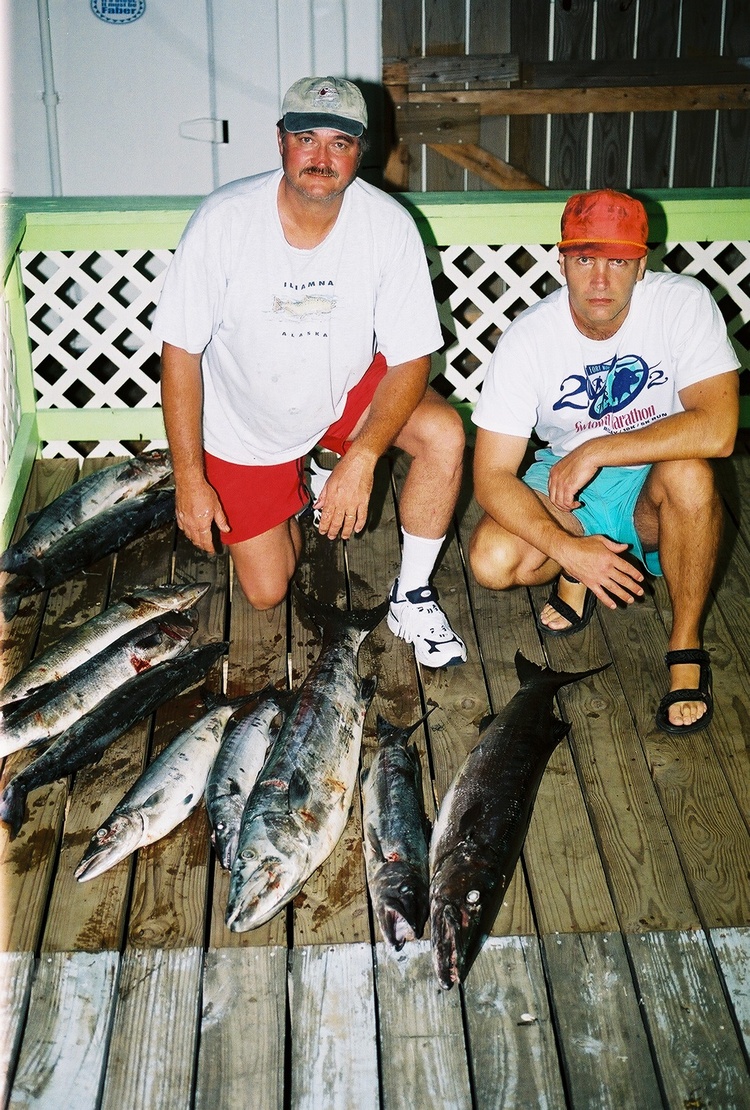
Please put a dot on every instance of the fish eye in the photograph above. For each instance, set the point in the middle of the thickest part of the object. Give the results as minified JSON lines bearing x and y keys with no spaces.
{"x":472,"y":897}
{"x":247,"y":854}
{"x":100,"y":834}
{"x":404,"y":888}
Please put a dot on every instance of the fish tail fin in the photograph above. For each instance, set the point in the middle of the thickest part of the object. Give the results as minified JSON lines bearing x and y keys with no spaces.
{"x":530,"y":673}
{"x":326,"y":616}
{"x":6,"y":559}
{"x":12,"y":806}
{"x":389,"y":733}
{"x":9,"y":603}
{"x":367,"y":687}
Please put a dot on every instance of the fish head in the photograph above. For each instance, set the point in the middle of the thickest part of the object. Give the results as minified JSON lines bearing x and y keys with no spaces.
{"x":402,"y":903}
{"x":270,"y":867}
{"x":120,"y":835}
{"x":463,"y":906}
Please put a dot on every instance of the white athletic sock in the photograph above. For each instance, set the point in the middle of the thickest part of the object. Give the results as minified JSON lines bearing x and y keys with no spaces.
{"x":418,"y":558}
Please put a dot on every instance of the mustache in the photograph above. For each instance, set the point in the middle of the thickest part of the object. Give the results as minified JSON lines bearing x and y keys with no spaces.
{"x":320,"y":171}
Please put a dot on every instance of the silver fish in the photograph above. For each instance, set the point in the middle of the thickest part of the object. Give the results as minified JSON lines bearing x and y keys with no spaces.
{"x":54,"y":707}
{"x":484,"y":817}
{"x":90,"y":541}
{"x":396,"y":833}
{"x":165,"y":794}
{"x":299,"y":805}
{"x":91,"y":637}
{"x":86,"y":740}
{"x":237,"y":766}
{"x":85,"y":499}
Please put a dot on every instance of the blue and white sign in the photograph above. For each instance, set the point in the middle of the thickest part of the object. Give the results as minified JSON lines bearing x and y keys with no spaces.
{"x":118,"y":11}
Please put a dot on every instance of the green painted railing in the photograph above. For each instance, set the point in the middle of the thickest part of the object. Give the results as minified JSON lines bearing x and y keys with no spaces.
{"x":125,"y":223}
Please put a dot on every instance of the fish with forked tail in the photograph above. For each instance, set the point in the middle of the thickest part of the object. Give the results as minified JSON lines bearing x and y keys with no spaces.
{"x":299,"y":805}
{"x":88,"y":639}
{"x":163,"y":796}
{"x":484,"y":817}
{"x":86,"y":740}
{"x":83,"y":500}
{"x":395,"y":831}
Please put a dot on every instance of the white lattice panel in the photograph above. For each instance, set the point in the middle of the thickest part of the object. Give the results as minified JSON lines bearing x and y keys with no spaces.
{"x":10,"y":405}
{"x":89,"y":315}
{"x":480,"y":289}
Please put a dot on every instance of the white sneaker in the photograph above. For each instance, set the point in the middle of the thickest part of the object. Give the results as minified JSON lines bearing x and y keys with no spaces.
{"x":418,"y":619}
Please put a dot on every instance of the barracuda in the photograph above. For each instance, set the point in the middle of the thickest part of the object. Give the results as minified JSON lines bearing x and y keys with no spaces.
{"x":299,"y":806}
{"x":84,"y":499}
{"x":484,"y":817}
{"x":52,"y":708}
{"x":91,"y":637}
{"x":90,"y":541}
{"x":396,"y":831}
{"x":86,"y":740}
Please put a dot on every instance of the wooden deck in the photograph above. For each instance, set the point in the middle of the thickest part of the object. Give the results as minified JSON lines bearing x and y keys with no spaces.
{"x":619,"y":972}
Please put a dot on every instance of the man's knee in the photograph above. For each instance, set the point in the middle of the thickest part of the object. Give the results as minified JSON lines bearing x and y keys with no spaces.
{"x":688,"y":483}
{"x":264,"y":595}
{"x":436,"y":429}
{"x":492,"y":557}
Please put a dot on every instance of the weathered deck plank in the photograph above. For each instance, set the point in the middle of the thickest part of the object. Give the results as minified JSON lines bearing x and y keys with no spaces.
{"x":64,"y":1051}
{"x":421,"y":1032}
{"x":242,"y":1032}
{"x":732,"y":947}
{"x":605,"y":1049}
{"x":155,"y":1030}
{"x":514,"y":1057}
{"x":695,"y":1042}
{"x":16,"y":974}
{"x":333,"y":1034}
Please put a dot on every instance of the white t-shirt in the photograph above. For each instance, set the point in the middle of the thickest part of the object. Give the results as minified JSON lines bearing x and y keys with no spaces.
{"x":285,"y":333}
{"x":545,"y":375}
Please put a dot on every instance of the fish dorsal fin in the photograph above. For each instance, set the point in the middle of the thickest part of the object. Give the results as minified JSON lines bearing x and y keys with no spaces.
{"x":299,"y":789}
{"x":367,"y":687}
{"x":374,"y":845}
{"x":560,"y":730}
{"x":486,"y":721}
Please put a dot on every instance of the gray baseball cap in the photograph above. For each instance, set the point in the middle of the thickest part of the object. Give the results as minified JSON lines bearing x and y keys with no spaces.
{"x":324,"y":102}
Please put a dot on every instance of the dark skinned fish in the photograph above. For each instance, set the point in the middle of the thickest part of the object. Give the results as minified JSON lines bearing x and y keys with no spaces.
{"x":165,"y":794}
{"x":299,"y":805}
{"x":90,"y":541}
{"x":52,"y":708}
{"x":88,"y":639}
{"x":86,"y":740}
{"x":484,"y":817}
{"x":83,"y":500}
{"x":396,"y":832}
{"x":237,"y":766}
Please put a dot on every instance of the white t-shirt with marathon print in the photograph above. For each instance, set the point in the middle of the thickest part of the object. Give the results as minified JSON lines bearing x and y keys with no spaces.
{"x":285,"y":333}
{"x":544,"y":375}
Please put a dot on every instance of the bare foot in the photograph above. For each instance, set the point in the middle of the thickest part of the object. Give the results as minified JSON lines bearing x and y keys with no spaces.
{"x":574,"y":594}
{"x":685,"y":676}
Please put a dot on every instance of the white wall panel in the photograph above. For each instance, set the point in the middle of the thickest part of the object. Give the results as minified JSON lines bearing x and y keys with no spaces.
{"x":125,"y":90}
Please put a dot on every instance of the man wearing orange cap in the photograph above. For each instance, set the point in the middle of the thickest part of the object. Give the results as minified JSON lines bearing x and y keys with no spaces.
{"x":298,"y":310}
{"x":630,"y":380}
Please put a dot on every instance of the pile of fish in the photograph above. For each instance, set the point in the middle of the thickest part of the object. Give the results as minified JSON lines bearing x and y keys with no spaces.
{"x":97,"y":681}
{"x":94,"y":517}
{"x":279,"y":778}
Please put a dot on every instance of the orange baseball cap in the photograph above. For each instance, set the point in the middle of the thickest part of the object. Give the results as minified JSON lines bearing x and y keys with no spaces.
{"x":604,"y":224}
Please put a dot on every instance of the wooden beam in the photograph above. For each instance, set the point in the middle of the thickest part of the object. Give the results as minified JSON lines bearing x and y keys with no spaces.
{"x":624,"y":72}
{"x":437,"y":122}
{"x":485,"y":165}
{"x":540,"y":102}
{"x":453,"y":69}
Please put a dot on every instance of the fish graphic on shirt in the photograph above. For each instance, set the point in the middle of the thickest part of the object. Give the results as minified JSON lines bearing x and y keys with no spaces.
{"x":304,"y":306}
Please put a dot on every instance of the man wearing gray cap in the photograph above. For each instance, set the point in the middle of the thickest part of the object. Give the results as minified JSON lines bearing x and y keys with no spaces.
{"x":298,"y":311}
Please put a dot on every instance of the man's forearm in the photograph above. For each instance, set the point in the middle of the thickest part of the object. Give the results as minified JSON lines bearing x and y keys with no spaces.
{"x":182,"y":404}
{"x":395,"y":399}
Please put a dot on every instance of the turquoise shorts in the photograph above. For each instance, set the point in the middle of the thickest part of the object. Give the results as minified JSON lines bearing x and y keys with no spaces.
{"x":608,"y":503}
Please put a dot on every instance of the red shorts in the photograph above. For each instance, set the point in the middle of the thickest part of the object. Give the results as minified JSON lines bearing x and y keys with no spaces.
{"x":257,"y":498}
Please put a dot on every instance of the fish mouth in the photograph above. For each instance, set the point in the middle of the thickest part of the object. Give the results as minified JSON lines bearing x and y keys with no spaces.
{"x":445,"y":927}
{"x":109,"y":845}
{"x":401,"y":918}
{"x":256,"y":896}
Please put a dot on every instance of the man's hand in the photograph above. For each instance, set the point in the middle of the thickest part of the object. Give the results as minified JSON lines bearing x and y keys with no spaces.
{"x":568,"y":477}
{"x":345,"y":497}
{"x":596,"y":561}
{"x":197,"y":509}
